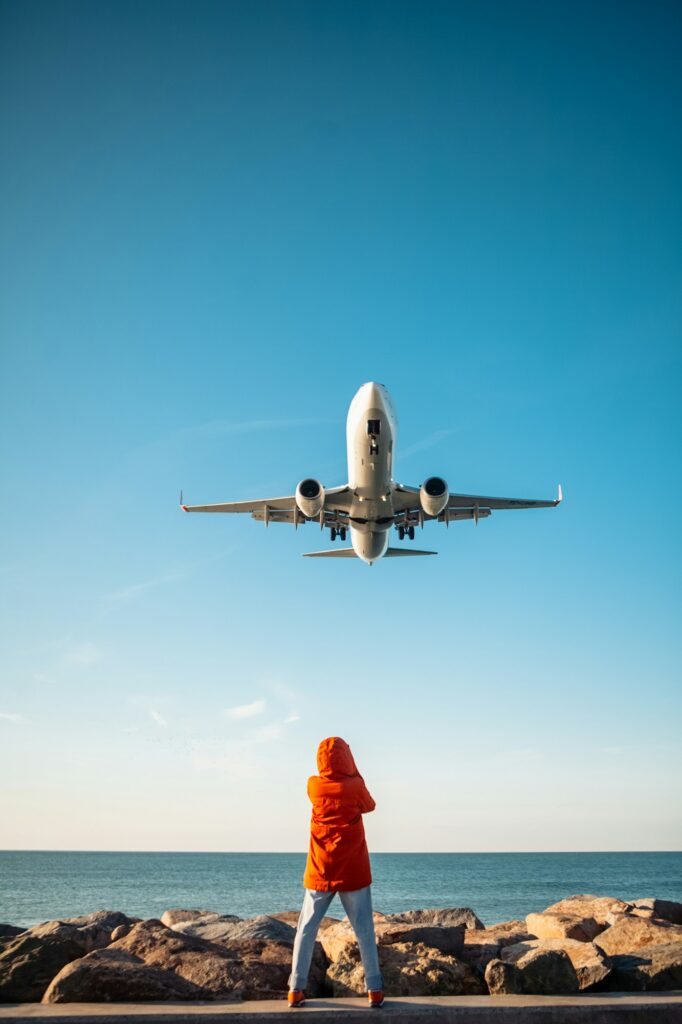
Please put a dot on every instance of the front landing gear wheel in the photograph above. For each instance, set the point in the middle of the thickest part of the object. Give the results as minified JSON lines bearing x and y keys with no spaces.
{"x":410,"y":532}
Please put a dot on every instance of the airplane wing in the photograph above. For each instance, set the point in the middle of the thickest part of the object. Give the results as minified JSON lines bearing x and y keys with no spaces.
{"x":350,"y":553}
{"x":406,"y":499}
{"x":277,"y":510}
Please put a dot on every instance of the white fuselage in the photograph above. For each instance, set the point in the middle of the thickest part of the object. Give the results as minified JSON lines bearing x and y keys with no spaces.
{"x":371,"y":431}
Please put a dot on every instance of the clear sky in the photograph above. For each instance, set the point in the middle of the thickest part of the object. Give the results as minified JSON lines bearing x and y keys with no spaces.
{"x":218,"y":221}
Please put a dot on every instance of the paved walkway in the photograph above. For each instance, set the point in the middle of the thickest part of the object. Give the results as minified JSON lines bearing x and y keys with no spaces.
{"x":647,"y":1008}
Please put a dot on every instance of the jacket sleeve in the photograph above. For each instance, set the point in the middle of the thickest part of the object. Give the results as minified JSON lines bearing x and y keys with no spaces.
{"x":365,"y":799}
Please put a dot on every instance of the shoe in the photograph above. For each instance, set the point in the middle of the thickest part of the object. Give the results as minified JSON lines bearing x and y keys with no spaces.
{"x":376,"y":999}
{"x":296,"y":998}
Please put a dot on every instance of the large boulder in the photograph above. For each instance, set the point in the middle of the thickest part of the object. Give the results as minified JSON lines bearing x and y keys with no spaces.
{"x":630,"y":934}
{"x":441,"y":916}
{"x":30,"y":960}
{"x":538,"y":972}
{"x":261,"y":927}
{"x":667,"y":910}
{"x":409,"y":969}
{"x":113,"y":976}
{"x":226,"y":931}
{"x":584,"y":905}
{"x":653,"y":968}
{"x":291,"y":917}
{"x":589,"y":963}
{"x":8,"y":931}
{"x":483,"y":945}
{"x":549,"y":925}
{"x":177,"y":916}
{"x":340,"y":938}
{"x":503,"y":978}
{"x":248,"y":969}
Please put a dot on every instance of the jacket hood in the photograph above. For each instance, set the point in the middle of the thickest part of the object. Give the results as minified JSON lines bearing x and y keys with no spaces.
{"x":334,"y":758}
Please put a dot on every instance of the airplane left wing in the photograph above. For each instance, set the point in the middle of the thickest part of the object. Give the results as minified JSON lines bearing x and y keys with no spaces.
{"x":278,"y":510}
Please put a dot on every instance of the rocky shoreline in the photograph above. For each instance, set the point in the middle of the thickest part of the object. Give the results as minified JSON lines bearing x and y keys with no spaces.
{"x":581,"y":944}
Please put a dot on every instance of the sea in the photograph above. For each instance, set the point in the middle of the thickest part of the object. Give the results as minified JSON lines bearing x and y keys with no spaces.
{"x":42,"y":885}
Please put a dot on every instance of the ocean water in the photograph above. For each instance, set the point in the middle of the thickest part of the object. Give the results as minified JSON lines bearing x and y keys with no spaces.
{"x":39,"y":886}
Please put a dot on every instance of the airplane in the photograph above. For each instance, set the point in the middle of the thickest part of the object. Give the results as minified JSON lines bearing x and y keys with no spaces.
{"x":372,"y":503}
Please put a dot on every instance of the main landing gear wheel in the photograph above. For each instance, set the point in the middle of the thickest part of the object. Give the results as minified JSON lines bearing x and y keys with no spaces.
{"x":401,"y":533}
{"x":410,"y":532}
{"x":342,"y":532}
{"x":333,"y":533}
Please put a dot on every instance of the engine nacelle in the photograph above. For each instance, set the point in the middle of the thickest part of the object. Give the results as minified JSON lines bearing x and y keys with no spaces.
{"x":434,"y":495}
{"x":310,"y":498}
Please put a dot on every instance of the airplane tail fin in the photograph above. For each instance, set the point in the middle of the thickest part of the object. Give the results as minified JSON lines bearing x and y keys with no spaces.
{"x":349,"y":553}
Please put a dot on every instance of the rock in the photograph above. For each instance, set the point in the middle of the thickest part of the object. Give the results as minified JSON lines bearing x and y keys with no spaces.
{"x":409,"y":969}
{"x":653,"y":968}
{"x":616,"y":916}
{"x":291,"y":917}
{"x":537,"y":971}
{"x":340,"y":938}
{"x":584,"y":905}
{"x":547,"y":972}
{"x":549,"y":925}
{"x":589,"y":963}
{"x":503,"y":979}
{"x":171,"y":918}
{"x":631,"y":934}
{"x":667,"y":910}
{"x":250,"y":969}
{"x":30,"y":961}
{"x":442,"y":916}
{"x":119,"y":931}
{"x":8,"y":931}
{"x":227,"y":932}
{"x":112,"y":976}
{"x":482,"y":946}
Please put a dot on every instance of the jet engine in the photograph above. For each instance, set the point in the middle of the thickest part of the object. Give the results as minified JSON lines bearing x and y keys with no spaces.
{"x":434,"y":495}
{"x":310,"y":498}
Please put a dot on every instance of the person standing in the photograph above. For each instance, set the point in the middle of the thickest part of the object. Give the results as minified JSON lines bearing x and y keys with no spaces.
{"x":338,"y":862}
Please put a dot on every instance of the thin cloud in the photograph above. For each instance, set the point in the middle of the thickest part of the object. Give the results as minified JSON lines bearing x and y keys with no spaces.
{"x":257,"y":707}
{"x":12,"y":716}
{"x":157,"y":717}
{"x":43,"y":677}
{"x":427,"y":442}
{"x":268,"y":733}
{"x":293,"y":717}
{"x":84,"y":654}
{"x":135,"y":589}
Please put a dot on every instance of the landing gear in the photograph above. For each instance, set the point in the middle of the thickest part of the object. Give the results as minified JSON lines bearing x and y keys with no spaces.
{"x":342,"y":532}
{"x":337,"y":531}
{"x":401,"y":533}
{"x":333,"y":533}
{"x":410,"y":532}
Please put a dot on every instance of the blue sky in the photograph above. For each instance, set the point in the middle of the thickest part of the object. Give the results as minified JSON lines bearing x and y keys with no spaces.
{"x":219,"y":220}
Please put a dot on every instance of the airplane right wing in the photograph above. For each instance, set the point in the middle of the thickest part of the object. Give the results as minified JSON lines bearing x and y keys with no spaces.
{"x":468,"y":506}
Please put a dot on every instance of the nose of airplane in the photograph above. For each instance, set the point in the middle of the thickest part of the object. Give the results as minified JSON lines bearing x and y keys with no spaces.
{"x":373,"y":394}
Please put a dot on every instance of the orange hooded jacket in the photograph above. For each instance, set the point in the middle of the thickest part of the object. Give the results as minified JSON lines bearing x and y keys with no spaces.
{"x":338,"y":860}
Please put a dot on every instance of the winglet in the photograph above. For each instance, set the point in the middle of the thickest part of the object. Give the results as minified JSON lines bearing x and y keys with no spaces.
{"x":183,"y":507}
{"x":559,"y":496}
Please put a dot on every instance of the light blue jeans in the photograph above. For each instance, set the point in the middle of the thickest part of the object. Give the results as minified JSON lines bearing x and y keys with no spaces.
{"x":358,"y":906}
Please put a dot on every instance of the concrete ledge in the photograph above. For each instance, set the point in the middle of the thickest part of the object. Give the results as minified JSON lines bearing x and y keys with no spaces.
{"x":614,"y":1008}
